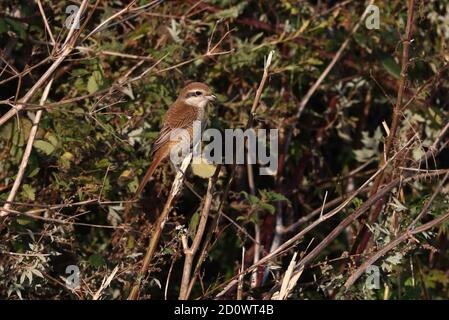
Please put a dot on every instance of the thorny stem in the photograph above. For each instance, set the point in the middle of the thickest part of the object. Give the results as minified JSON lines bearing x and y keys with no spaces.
{"x":364,"y":235}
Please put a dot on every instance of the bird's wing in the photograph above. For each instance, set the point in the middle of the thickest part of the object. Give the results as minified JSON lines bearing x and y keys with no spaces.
{"x":178,"y":116}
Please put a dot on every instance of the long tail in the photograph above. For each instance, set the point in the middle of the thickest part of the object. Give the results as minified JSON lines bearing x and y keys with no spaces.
{"x":154,"y":164}
{"x":158,"y":157}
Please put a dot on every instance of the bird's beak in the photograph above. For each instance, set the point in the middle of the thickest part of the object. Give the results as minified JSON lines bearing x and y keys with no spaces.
{"x":211,"y":97}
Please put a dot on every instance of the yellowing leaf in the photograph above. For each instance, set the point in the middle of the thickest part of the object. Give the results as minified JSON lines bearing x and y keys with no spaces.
{"x":203,"y":169}
{"x":51,"y":138}
{"x":95,"y":82}
{"x":68,"y":156}
{"x":125,"y":177}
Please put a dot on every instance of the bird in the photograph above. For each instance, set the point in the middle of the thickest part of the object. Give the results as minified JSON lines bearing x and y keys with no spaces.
{"x":188,"y":107}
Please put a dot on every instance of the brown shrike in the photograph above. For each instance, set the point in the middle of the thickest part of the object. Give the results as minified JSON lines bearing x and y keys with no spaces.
{"x":189,"y":107}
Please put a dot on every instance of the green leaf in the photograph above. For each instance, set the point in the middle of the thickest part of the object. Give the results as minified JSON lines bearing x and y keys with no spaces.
{"x":34,"y":172}
{"x":357,"y":202}
{"x":253,"y":199}
{"x":44,"y":146}
{"x":193,"y":224}
{"x":395,"y":259}
{"x":3,"y":26}
{"x":313,"y":62}
{"x":6,"y":131}
{"x":52,"y":139}
{"x":92,"y":85}
{"x":103,"y":163}
{"x":272,"y":196}
{"x":96,"y":260}
{"x":370,"y":148}
{"x":169,"y":251}
{"x":391,"y":67}
{"x":37,"y":272}
{"x":232,"y":12}
{"x":266,"y":206}
{"x":29,"y":192}
{"x":66,"y":159}
{"x":95,"y":82}
{"x":24,"y":221}
{"x":434,"y":277}
{"x":133,"y":185}
{"x":17,"y":27}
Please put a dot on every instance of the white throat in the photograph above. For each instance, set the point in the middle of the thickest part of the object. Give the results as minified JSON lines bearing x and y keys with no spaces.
{"x":199,"y":102}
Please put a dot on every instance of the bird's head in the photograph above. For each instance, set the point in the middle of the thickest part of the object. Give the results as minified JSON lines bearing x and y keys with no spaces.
{"x":196,"y":94}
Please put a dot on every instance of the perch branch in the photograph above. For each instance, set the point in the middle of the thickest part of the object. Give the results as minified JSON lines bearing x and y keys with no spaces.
{"x":159,"y":226}
{"x":191,"y":251}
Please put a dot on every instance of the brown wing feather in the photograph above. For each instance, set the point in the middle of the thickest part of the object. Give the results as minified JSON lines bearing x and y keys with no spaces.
{"x":179,"y":115}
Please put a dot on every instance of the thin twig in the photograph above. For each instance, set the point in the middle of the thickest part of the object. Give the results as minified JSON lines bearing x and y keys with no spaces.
{"x":65,"y":51}
{"x":426,"y":207}
{"x":409,"y":233}
{"x":364,"y":235}
{"x":240,"y":280}
{"x":331,"y":65}
{"x":104,"y":284}
{"x":44,"y":18}
{"x":26,"y":155}
{"x":60,"y":221}
{"x":366,"y":205}
{"x":168,"y":277}
{"x":112,"y":17}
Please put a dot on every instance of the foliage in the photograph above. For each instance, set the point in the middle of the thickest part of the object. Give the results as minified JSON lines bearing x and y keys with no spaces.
{"x":105,"y":108}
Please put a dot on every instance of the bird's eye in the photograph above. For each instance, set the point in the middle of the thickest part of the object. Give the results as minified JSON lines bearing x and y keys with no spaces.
{"x":198,"y":93}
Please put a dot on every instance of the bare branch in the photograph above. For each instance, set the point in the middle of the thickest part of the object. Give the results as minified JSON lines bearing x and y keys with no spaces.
{"x":191,"y":251}
{"x":26,"y":154}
